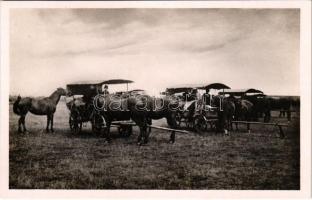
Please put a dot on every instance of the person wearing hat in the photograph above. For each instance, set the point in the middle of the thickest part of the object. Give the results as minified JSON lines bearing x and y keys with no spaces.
{"x":193,"y":95}
{"x":105,"y":91}
{"x":207,"y":97}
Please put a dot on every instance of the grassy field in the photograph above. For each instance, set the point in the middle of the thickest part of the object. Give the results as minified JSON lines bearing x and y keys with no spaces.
{"x":62,"y":160}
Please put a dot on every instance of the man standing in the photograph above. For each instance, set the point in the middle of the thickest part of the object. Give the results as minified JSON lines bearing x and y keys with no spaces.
{"x":105,"y":91}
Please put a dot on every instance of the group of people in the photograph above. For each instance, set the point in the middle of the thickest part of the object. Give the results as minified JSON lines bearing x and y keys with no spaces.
{"x":195,"y":95}
{"x":190,"y":96}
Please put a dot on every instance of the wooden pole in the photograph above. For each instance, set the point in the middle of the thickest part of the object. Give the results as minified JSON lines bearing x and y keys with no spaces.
{"x":124,"y":123}
{"x":261,"y":123}
{"x":129,"y":123}
{"x":169,"y":129}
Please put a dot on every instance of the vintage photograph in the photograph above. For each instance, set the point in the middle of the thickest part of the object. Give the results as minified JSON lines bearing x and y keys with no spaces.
{"x":154,"y":98}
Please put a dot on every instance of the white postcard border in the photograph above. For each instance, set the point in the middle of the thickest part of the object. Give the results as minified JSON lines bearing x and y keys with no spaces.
{"x":305,"y":91}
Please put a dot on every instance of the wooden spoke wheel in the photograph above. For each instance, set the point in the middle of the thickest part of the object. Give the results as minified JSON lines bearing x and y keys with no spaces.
{"x":98,"y":123}
{"x":200,"y":124}
{"x":75,"y":123}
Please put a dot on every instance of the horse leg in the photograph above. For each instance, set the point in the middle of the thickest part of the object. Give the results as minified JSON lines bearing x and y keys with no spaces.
{"x":227,"y":127}
{"x":48,"y":123}
{"x":172,"y":137}
{"x":231,"y":124}
{"x":248,"y":127}
{"x":142,"y":137}
{"x":23,"y":123}
{"x":80,"y":126}
{"x":223,"y":124}
{"x":288,"y":115}
{"x":149,"y":128}
{"x":141,"y":122}
{"x":52,"y":116}
{"x":145,"y":132}
{"x":107,"y":132}
{"x":269,"y":115}
{"x":173,"y":124}
{"x":219,"y":124}
{"x":19,"y":124}
{"x":138,"y":123}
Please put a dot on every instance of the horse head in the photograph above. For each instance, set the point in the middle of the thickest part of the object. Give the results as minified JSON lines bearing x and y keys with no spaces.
{"x":61,"y":91}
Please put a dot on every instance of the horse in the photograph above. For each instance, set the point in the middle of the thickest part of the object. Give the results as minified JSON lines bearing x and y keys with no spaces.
{"x":243,"y":112}
{"x":38,"y":106}
{"x":140,"y":108}
{"x":261,"y":105}
{"x":282,"y":104}
{"x":112,"y":108}
{"x":186,"y":112}
{"x":158,"y":108}
{"x":226,"y":111}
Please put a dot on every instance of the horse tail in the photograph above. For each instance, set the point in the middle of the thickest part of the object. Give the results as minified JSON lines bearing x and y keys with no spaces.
{"x":16,"y":108}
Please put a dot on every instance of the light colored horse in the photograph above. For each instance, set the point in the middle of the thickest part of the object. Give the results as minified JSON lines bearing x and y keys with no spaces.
{"x":38,"y":106}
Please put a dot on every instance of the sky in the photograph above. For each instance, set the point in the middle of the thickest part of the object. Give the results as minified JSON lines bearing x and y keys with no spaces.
{"x":156,"y":48}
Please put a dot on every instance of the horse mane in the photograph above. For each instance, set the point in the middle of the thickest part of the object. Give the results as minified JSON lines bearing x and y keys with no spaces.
{"x":53,"y":94}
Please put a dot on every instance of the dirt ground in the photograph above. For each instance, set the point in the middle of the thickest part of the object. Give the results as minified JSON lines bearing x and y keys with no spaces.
{"x":61,"y":160}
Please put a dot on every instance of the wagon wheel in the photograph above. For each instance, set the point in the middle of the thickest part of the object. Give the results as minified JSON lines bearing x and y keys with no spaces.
{"x":98,"y":123}
{"x":200,"y":124}
{"x":75,"y":124}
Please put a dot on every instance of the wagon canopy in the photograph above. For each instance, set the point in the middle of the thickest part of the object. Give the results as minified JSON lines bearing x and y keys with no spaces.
{"x":91,"y":87}
{"x":216,"y":86}
{"x":116,"y":81}
{"x":137,"y":91}
{"x":182,"y":88}
{"x":97,"y":82}
{"x":189,"y":87}
{"x":241,"y":92}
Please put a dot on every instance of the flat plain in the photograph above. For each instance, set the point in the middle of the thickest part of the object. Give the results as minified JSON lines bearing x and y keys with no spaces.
{"x":259,"y":160}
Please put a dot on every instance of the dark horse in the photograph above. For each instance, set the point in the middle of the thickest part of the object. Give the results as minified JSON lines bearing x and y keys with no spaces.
{"x":141,"y":109}
{"x":261,"y":105}
{"x":43,"y":106}
{"x":282,"y":104}
{"x":156,"y":108}
{"x":243,"y":111}
{"x":226,"y":111}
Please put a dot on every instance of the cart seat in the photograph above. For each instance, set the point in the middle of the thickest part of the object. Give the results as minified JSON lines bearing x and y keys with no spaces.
{"x":209,"y":107}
